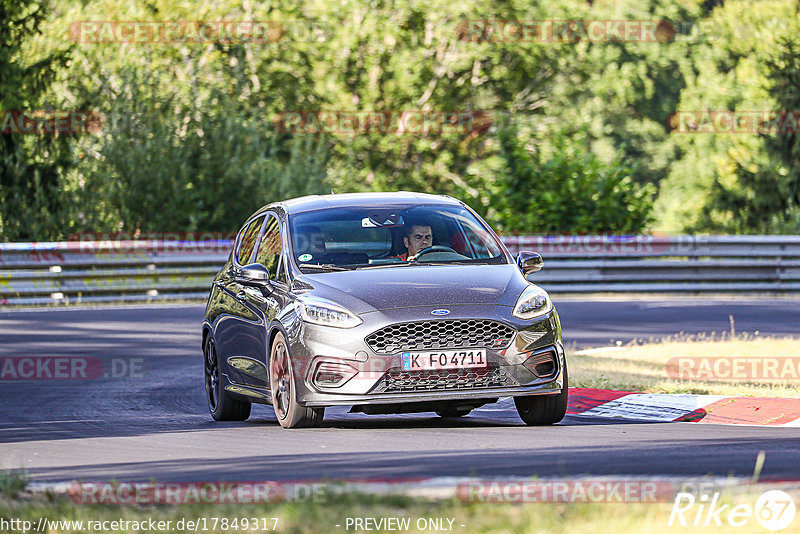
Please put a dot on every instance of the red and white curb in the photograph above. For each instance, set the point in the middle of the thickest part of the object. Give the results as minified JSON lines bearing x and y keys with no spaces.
{"x":663,"y":407}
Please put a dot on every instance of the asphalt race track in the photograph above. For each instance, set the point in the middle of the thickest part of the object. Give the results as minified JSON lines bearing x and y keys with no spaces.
{"x":153,"y":423}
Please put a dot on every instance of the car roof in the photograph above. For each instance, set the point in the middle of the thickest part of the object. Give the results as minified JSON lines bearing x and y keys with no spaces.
{"x":399,"y":198}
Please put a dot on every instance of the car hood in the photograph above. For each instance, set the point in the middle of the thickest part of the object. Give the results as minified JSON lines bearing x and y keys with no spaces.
{"x":385,"y":288}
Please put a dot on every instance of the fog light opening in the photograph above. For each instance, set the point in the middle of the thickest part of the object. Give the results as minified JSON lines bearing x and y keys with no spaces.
{"x":542,"y":363}
{"x":329,"y":378}
{"x":333,"y":374}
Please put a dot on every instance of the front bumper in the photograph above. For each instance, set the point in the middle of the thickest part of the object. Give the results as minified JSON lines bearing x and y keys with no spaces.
{"x":372,"y":378}
{"x":321,"y":399}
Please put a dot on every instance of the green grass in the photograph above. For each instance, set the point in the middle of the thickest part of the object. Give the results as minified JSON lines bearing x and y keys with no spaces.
{"x":12,"y":483}
{"x":642,"y":366}
{"x":322,"y":517}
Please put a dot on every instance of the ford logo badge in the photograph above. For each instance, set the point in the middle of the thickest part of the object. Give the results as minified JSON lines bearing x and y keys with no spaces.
{"x":440,"y":312}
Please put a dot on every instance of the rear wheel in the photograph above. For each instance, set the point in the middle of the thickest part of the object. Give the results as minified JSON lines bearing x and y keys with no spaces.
{"x":284,"y":394}
{"x":537,"y":410}
{"x":222,"y":405}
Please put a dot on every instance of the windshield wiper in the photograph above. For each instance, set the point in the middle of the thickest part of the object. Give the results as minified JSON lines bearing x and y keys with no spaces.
{"x":418,"y":263}
{"x":323,"y":267}
{"x":410,"y":263}
{"x":454,"y":262}
{"x":381,"y":265}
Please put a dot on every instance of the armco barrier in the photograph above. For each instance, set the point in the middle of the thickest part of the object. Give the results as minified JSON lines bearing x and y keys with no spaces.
{"x":72,"y":272}
{"x":89,"y":271}
{"x":655,"y":264}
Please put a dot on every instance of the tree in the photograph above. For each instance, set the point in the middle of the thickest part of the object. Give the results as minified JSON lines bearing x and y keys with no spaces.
{"x":567,"y":191}
{"x":738,"y":182}
{"x":32,"y":166}
{"x":766,"y":198}
{"x":166,"y":162}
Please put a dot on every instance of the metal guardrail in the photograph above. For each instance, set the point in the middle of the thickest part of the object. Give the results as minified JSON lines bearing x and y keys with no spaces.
{"x":108,"y":271}
{"x":673,"y":264}
{"x":96,"y":271}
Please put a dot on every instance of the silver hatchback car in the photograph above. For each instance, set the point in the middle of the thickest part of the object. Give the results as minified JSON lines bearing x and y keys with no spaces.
{"x":386,"y":302}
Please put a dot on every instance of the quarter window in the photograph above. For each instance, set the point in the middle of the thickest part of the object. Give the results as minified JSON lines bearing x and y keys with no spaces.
{"x":269,"y":251}
{"x":248,"y":241}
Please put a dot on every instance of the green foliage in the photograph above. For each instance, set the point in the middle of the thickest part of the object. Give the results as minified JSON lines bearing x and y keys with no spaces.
{"x":567,"y":191}
{"x":31,"y":167}
{"x":205,"y":162}
{"x":766,"y":198}
{"x":738,"y":183}
{"x":12,"y":483}
{"x":189,"y":144}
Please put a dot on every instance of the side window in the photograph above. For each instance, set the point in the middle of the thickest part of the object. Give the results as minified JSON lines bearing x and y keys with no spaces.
{"x":282,"y":276}
{"x":269,"y":251}
{"x":248,"y":241}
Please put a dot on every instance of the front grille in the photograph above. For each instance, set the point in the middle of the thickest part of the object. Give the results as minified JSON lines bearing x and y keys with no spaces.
{"x":453,"y":334}
{"x":398,"y":381}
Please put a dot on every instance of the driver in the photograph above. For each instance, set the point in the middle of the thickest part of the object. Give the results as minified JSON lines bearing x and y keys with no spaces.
{"x":418,"y":235}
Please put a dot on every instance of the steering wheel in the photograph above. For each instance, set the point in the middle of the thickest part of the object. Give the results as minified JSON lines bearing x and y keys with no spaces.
{"x":434,"y":248}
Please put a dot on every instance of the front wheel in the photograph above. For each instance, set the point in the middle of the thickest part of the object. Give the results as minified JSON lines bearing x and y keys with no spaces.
{"x":537,"y":410}
{"x":222,"y":405}
{"x":284,"y":394}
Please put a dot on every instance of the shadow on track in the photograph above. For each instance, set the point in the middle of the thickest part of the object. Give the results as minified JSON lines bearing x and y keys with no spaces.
{"x":656,"y":456}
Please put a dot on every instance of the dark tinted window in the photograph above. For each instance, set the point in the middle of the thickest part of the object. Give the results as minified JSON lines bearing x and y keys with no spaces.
{"x":365,"y":235}
{"x":269,"y":251}
{"x":248,"y":241}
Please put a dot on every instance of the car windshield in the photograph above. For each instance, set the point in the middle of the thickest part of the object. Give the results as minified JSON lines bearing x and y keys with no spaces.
{"x":367,"y":237}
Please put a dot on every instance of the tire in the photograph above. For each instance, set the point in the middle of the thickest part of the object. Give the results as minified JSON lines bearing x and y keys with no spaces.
{"x":222,"y":405}
{"x":538,"y":410}
{"x":284,"y":394}
{"x":452,"y":412}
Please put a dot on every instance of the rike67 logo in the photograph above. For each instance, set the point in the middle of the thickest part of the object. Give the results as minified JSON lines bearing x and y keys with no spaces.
{"x":774,"y":510}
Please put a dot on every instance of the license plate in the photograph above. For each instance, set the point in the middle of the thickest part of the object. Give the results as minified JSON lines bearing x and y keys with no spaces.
{"x":444,"y":359}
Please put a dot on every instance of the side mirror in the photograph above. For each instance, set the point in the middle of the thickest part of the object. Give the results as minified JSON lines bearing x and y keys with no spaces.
{"x":529,"y":262}
{"x":253,"y":274}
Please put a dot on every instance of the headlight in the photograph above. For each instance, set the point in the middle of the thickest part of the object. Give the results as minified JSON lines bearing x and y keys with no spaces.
{"x":533,"y":302}
{"x":326,"y":313}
